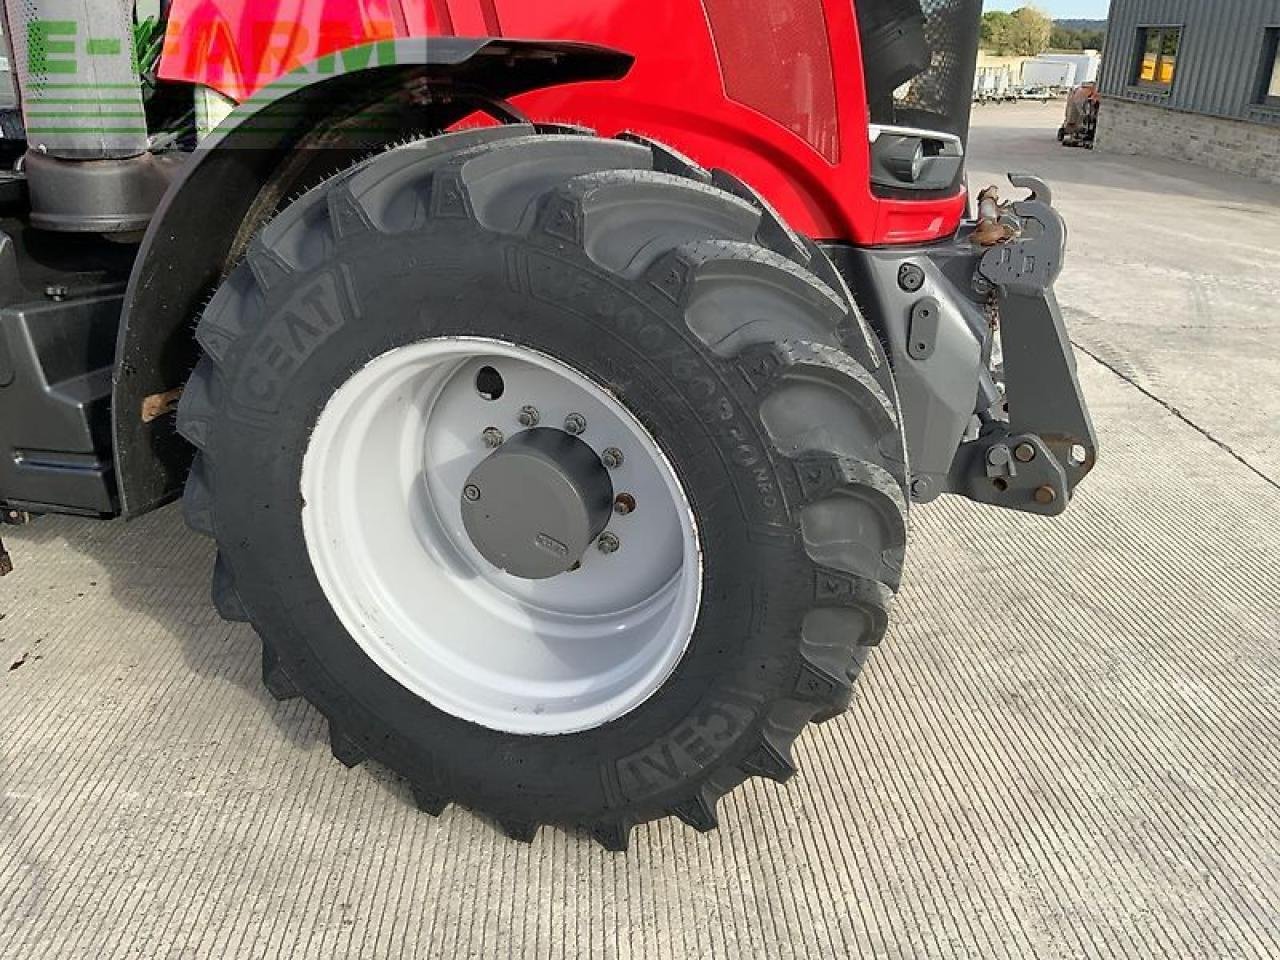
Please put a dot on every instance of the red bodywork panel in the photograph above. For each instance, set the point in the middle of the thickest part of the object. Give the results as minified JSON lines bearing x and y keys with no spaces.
{"x":771,"y":90}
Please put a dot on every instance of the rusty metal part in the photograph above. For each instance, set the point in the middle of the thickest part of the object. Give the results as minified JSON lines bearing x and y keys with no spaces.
{"x":160,"y":404}
{"x":624,"y":504}
{"x":1046,"y":494}
{"x":1025,"y":453}
{"x":996,"y":222}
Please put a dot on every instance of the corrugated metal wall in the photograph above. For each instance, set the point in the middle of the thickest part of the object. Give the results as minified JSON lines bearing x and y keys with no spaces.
{"x":1219,"y":60}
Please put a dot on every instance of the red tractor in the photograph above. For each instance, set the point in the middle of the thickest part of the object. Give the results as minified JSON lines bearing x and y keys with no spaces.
{"x":554,"y":378}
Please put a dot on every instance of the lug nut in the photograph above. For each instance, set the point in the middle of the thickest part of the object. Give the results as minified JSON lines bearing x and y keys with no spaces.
{"x":612,"y":458}
{"x":529,"y":416}
{"x":608,"y":543}
{"x":624,"y":504}
{"x":575,"y":424}
{"x":1025,"y":452}
{"x":493,"y":437}
{"x":1046,"y":495}
{"x":471,"y":492}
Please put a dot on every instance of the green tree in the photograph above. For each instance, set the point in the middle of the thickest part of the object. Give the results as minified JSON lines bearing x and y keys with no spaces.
{"x":1029,"y":33}
{"x":1069,"y":38}
{"x":1092,"y":39}
{"x":996,"y":25}
{"x":1064,"y":39}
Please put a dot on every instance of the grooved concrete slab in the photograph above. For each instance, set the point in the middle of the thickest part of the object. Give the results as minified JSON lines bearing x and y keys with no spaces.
{"x":1067,"y":747}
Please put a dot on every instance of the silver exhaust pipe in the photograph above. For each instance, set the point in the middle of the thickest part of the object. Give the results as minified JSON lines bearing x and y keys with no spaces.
{"x":88,"y":165}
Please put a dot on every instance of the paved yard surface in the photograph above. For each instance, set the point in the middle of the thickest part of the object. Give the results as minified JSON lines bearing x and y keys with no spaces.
{"x":1067,"y":747}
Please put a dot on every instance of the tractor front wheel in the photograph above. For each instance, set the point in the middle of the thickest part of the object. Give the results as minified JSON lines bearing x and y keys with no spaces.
{"x":560,"y":475}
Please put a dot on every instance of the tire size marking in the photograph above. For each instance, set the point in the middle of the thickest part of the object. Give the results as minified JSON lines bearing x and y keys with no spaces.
{"x":537,"y":277}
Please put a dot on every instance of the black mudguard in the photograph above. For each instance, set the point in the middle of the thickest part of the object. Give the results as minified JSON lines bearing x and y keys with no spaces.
{"x":285,"y":139}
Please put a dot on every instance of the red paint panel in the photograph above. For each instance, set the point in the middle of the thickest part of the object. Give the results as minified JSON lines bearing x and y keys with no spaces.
{"x":438,"y":18}
{"x":491,"y":24}
{"x":238,"y":46}
{"x":771,"y":90}
{"x":775,"y":57}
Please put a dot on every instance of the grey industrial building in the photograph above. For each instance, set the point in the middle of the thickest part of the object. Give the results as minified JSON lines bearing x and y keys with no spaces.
{"x":1195,"y":80}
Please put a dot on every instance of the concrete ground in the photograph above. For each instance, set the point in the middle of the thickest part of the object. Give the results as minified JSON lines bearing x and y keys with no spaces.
{"x":1066,"y":748}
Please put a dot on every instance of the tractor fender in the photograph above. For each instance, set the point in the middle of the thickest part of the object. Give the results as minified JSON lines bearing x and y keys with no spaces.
{"x":288,"y":137}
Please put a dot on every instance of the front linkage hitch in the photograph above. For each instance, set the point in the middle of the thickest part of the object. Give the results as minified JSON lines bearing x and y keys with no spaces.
{"x":937,"y":309}
{"x":1031,"y":454}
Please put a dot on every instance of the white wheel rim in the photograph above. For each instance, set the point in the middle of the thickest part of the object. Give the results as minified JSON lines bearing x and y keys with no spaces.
{"x":382,"y":482}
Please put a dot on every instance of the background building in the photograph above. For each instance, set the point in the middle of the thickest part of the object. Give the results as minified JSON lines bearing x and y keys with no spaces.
{"x":1196,"y":80}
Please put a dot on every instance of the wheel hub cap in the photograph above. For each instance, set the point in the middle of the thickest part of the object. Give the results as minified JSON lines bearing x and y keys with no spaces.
{"x":456,"y":540}
{"x":534,"y":506}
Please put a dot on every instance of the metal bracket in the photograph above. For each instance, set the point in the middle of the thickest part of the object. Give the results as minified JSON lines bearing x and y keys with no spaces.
{"x":1048,"y":421}
{"x":922,"y":334}
{"x":1016,"y":471}
{"x":1031,"y":264}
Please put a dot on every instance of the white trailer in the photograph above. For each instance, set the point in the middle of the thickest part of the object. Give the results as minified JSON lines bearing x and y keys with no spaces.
{"x":1088,"y":64}
{"x":1051,"y":74}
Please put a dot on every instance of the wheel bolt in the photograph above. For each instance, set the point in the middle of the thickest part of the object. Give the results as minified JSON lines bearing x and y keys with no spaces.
{"x":471,"y":492}
{"x":493,"y":437}
{"x":612,"y":458}
{"x":575,"y":424}
{"x":624,"y":504}
{"x":1024,"y":452}
{"x":529,"y":416}
{"x":608,"y":543}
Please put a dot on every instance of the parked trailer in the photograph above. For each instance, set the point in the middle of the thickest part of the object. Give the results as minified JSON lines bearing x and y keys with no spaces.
{"x":1051,"y":74}
{"x":993,"y":85}
{"x":1088,"y":64}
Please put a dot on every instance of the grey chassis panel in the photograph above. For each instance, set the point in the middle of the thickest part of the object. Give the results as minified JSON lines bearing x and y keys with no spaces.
{"x":935,"y":335}
{"x":285,"y":139}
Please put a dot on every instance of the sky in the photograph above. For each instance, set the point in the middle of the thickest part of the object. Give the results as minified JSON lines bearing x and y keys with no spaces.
{"x":1084,"y":9}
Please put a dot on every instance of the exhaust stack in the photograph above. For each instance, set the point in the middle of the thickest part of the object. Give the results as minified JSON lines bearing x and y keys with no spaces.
{"x":88,"y":166}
